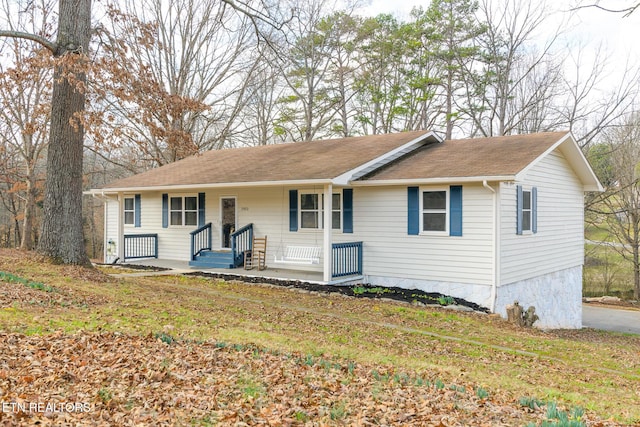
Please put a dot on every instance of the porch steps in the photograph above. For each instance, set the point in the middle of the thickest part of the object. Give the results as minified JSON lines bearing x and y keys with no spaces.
{"x":213,"y":259}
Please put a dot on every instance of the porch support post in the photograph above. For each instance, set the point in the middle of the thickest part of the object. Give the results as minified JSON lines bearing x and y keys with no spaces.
{"x":121,"y":226}
{"x":328,"y":227}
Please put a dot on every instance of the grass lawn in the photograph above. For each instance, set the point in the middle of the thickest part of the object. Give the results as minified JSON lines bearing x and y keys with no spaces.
{"x":207,"y":352}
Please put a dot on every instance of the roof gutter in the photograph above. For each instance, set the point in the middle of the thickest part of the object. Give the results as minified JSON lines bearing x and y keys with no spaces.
{"x":426,"y":181}
{"x":194,"y":187}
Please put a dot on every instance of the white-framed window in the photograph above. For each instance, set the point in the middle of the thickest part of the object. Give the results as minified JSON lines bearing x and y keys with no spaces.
{"x":527,"y":210}
{"x":129,"y":211}
{"x":312,"y":207}
{"x":434,"y":208}
{"x":183,"y":210}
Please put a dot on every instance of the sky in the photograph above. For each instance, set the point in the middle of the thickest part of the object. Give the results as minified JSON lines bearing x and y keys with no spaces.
{"x":618,"y":36}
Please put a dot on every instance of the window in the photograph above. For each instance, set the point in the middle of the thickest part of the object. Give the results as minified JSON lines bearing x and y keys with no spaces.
{"x":336,"y":212}
{"x":434,"y":211}
{"x":183,"y":210}
{"x":129,"y":211}
{"x":311,"y":212}
{"x":526,"y":210}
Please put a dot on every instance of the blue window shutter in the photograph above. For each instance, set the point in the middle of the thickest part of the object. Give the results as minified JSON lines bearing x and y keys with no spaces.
{"x":347,"y":210}
{"x":455,"y":210}
{"x":165,"y":210}
{"x":293,"y":210}
{"x":534,"y":210}
{"x":201,"y":206}
{"x":413,"y":214}
{"x":519,"y":209}
{"x":136,"y":210}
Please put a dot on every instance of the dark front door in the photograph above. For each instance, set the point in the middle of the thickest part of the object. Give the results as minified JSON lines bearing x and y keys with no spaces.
{"x":228,"y":219}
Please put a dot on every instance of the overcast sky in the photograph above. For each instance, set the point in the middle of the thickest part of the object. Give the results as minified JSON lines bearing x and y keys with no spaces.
{"x":618,"y":37}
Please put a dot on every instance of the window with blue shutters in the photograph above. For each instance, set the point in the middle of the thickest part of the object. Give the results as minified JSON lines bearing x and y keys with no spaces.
{"x":527,"y":210}
{"x":434,"y":211}
{"x":131,"y":211}
{"x":306,"y":210}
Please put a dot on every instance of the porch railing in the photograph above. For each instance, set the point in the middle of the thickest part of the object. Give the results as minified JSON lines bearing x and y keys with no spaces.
{"x":140,"y":246}
{"x":201,"y":240}
{"x":241,"y":241}
{"x":347,"y":259}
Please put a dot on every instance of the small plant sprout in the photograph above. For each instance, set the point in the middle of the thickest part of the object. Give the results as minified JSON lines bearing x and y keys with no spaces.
{"x":482,"y":393}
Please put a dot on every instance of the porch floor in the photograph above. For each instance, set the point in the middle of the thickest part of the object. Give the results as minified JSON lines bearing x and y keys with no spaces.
{"x":269,"y":272}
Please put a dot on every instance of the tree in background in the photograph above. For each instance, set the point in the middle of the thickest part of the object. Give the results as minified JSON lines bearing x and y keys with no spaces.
{"x":62,"y":237}
{"x":617,"y":210}
{"x":453,"y":27}
{"x":172,"y":77}
{"x":25,"y":103}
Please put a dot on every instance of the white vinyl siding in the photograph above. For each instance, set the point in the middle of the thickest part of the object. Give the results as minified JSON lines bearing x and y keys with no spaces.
{"x":559,"y":241}
{"x":380,"y":220}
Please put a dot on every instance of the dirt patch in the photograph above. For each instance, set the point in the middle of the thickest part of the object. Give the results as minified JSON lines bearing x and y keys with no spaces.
{"x":410,"y":296}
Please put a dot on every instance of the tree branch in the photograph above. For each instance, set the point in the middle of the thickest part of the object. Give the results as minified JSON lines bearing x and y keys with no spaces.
{"x":627,"y":10}
{"x":53,"y":47}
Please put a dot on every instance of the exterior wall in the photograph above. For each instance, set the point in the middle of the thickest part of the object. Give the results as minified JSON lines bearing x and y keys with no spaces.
{"x":559,"y":242}
{"x":267,"y":208}
{"x":544,"y":269}
{"x":380,"y":221}
{"x":556,"y":296}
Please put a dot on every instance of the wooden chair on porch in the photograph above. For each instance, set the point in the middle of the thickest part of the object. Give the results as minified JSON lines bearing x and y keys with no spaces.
{"x":256,"y":257}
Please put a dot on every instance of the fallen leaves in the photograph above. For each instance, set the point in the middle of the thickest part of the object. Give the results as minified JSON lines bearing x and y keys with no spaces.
{"x":133,"y":380}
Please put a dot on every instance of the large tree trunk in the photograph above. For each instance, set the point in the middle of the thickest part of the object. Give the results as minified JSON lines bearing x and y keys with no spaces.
{"x":62,"y":236}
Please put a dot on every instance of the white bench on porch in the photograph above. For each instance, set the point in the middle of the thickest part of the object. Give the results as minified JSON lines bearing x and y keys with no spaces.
{"x":300,"y":255}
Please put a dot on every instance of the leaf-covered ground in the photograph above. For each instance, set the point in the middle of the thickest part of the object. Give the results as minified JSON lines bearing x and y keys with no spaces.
{"x":190,"y":351}
{"x":116,"y":379}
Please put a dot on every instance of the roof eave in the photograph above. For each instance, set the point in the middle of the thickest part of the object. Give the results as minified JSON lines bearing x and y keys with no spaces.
{"x":195,"y":187}
{"x":433,"y":181}
{"x":574,"y":155}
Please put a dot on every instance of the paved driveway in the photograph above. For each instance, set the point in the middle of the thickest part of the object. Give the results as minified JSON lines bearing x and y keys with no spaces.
{"x":611,"y":319}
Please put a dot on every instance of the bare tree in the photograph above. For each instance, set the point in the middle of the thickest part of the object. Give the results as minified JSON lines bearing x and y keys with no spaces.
{"x":25,"y":99}
{"x":585,"y":107}
{"x":175,"y":75}
{"x":62,"y":233}
{"x":618,"y":209}
{"x":510,"y":84}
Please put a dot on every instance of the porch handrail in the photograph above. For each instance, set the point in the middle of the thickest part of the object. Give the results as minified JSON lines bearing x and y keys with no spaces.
{"x":347,"y":259}
{"x":140,"y":246}
{"x":241,"y":241}
{"x":201,"y":240}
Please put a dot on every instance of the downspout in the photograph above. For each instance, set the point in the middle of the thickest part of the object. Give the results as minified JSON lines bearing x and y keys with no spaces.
{"x":494,"y":267}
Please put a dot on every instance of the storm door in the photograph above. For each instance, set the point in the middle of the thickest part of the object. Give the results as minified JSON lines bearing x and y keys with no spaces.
{"x":228,"y":220}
